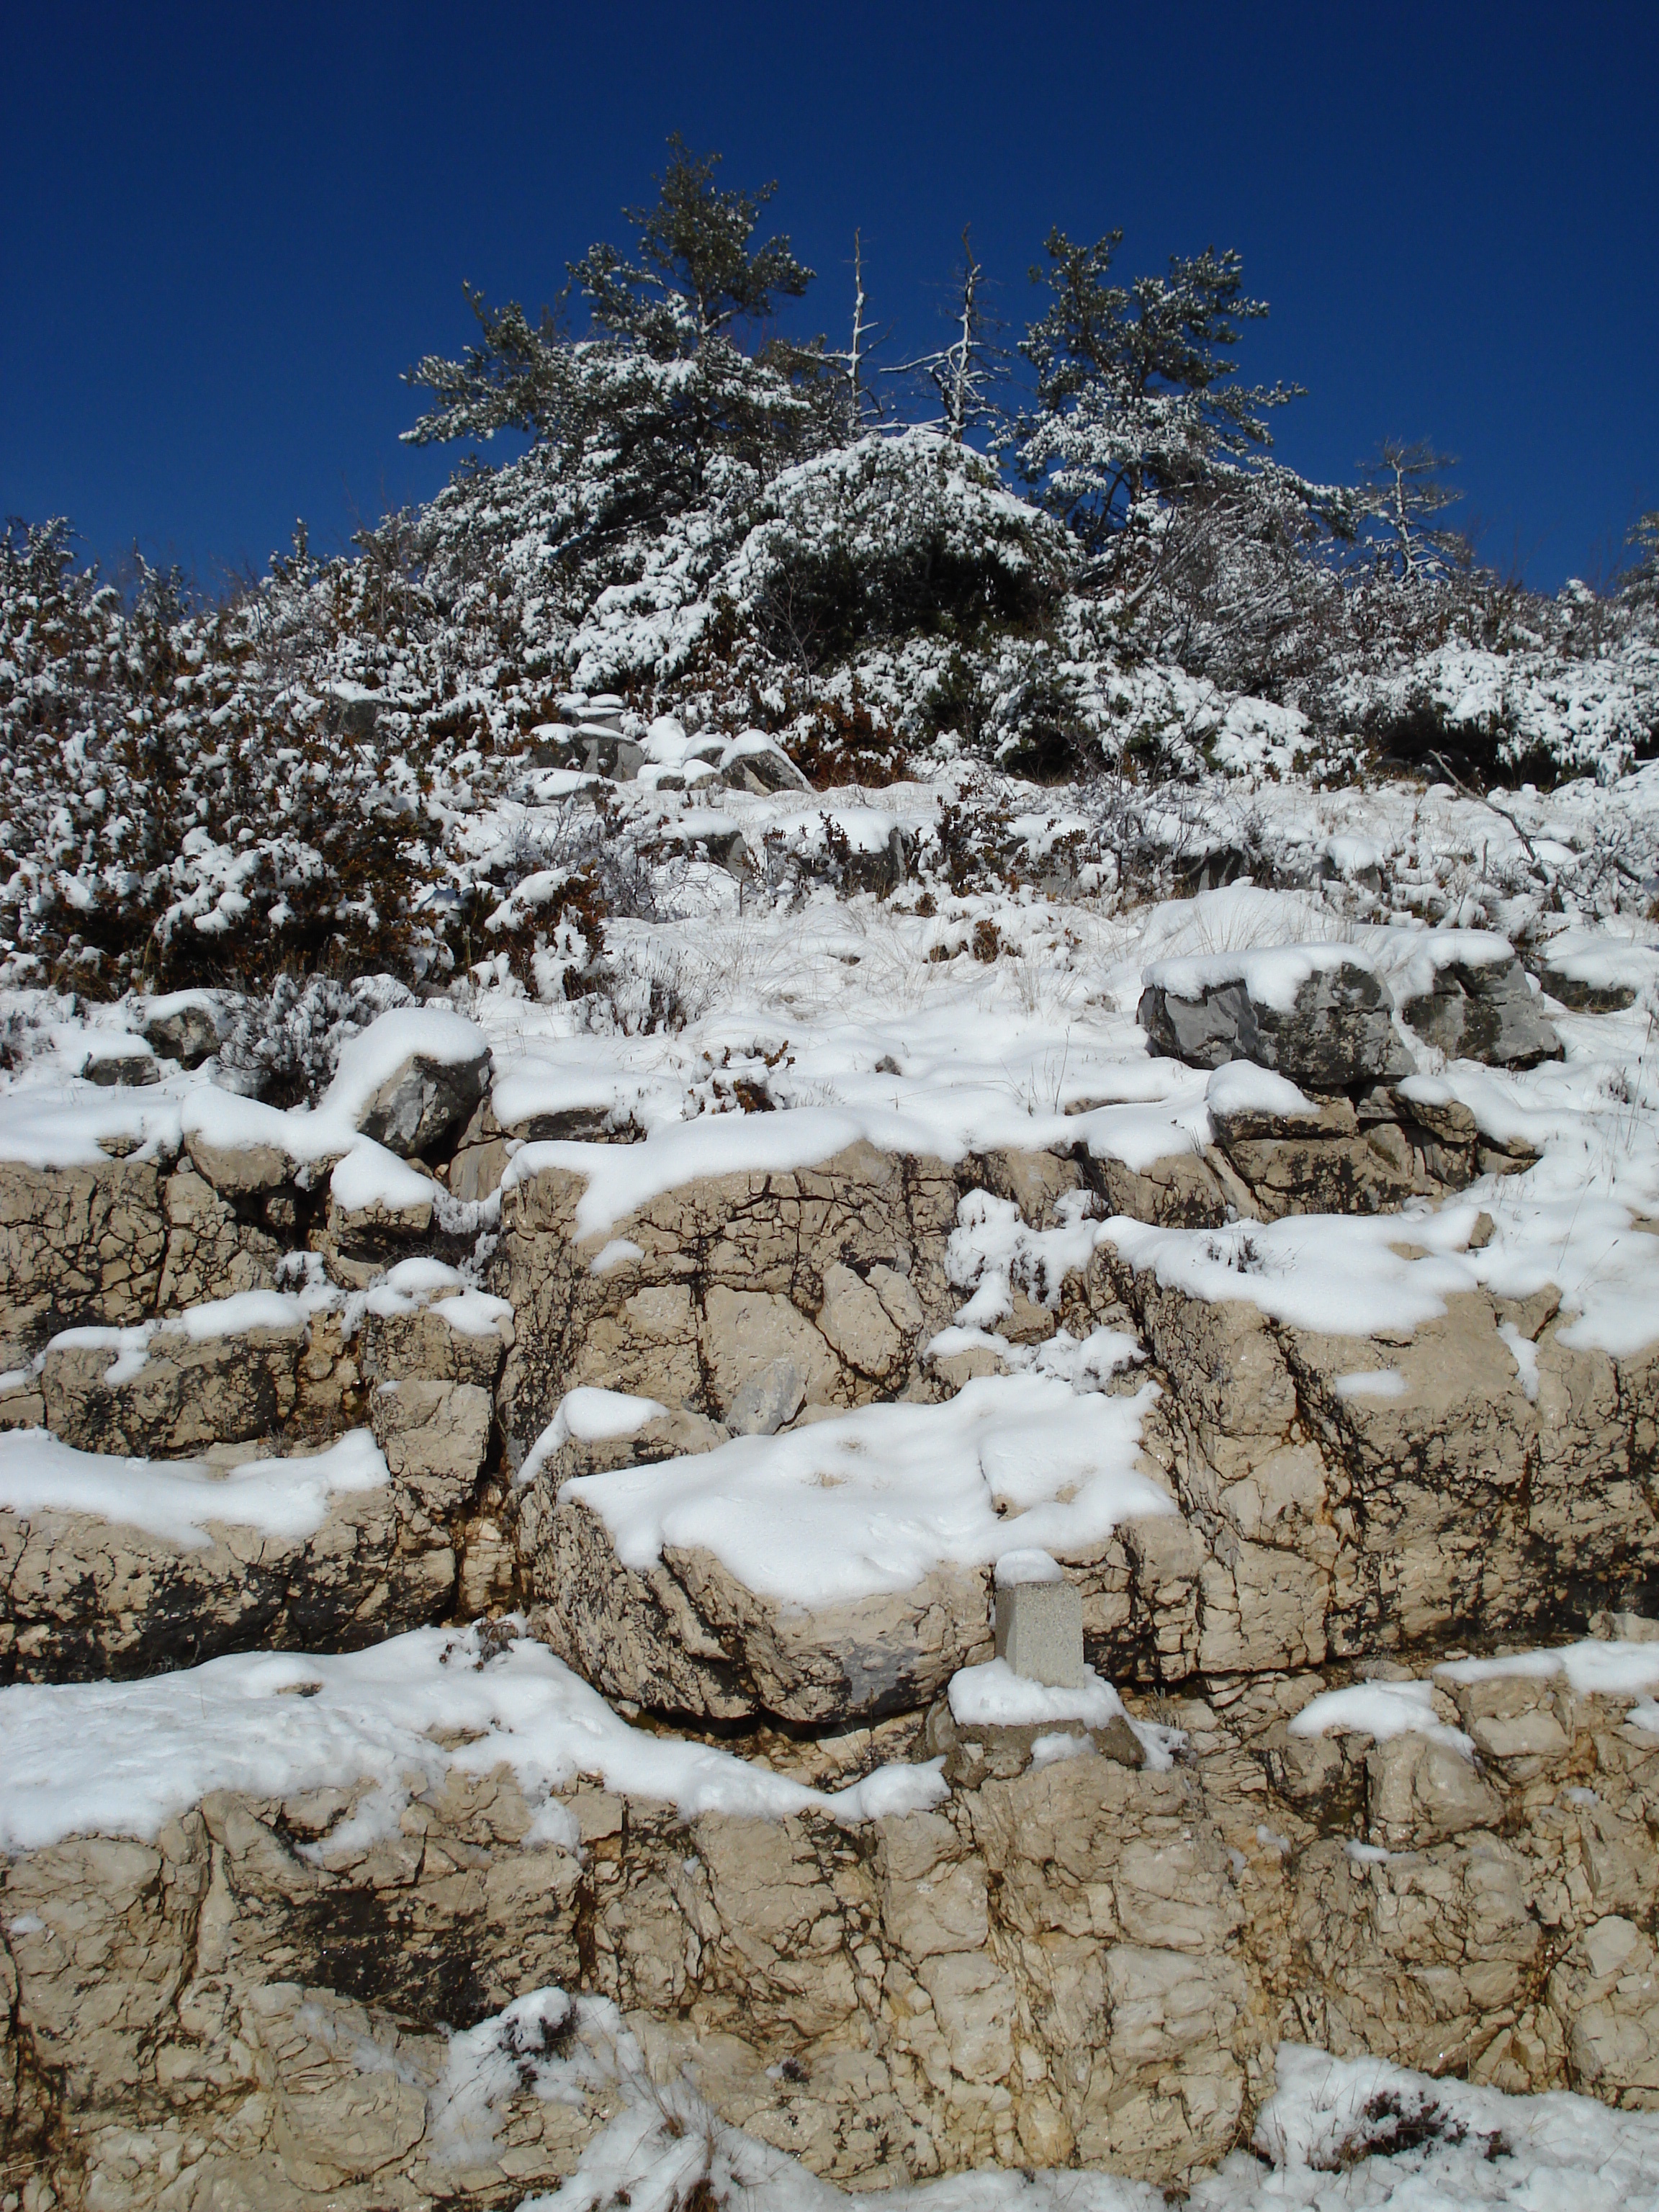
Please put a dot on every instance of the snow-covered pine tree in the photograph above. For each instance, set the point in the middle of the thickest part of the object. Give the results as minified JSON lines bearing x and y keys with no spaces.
{"x":1134,"y":401}
{"x":1641,"y":580}
{"x":659,"y":396}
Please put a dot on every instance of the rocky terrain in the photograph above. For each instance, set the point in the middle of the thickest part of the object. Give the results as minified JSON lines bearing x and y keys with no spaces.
{"x":500,"y":1550}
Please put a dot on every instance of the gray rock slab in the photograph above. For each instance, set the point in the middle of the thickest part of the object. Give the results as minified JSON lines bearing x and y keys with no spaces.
{"x":1338,"y":1034}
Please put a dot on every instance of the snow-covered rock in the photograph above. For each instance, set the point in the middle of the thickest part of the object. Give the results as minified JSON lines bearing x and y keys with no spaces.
{"x":1317,"y":1014}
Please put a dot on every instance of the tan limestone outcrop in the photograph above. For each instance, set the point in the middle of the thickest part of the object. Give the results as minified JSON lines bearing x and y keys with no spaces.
{"x":83,"y":1595}
{"x":1083,"y":1960}
{"x":1078,"y":1962}
{"x":181,"y":1395}
{"x":1318,"y":1521}
{"x":77,"y":1244}
{"x":1335,"y":1523}
{"x":836,"y":1271}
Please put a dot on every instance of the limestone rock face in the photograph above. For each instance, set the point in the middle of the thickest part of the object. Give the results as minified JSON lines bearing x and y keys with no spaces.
{"x":1337,"y":1035}
{"x":181,"y":1396}
{"x":87,"y":1598}
{"x":82,"y":1596}
{"x":1484,"y":1010}
{"x":1084,"y":1961}
{"x":77,"y":1244}
{"x":836,"y":1271}
{"x":1080,"y":1954}
{"x":686,"y":1636}
{"x":1331,"y":1521}
{"x":435,"y":1435}
{"x":212,"y":1252}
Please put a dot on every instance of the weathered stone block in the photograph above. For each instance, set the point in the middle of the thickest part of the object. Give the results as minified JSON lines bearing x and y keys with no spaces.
{"x":1039,"y":1620}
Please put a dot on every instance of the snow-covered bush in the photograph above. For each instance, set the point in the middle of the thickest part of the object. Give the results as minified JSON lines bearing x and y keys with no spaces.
{"x":888,"y":538}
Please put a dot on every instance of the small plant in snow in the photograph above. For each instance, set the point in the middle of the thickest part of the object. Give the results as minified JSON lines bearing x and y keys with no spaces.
{"x":285,"y":1048}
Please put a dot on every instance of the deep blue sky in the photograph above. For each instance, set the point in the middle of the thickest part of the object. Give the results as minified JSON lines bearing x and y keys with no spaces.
{"x":228,"y":229}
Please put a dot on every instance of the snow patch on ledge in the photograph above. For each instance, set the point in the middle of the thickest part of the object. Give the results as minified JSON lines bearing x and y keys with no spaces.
{"x":123,"y":1758}
{"x":178,"y":1500}
{"x":994,"y":1696}
{"x":1381,"y":1710}
{"x":1272,"y":975}
{"x":873,"y":1501}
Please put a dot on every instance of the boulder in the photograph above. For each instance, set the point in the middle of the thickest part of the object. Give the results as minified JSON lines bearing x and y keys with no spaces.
{"x":684,"y":1635}
{"x":771,"y":1397}
{"x":211,"y":1252}
{"x":185,"y":1026}
{"x":1338,"y":1516}
{"x":435,"y":1436}
{"x":1483,"y":1009}
{"x":424,"y":1100}
{"x":711,"y":1285}
{"x":89,"y":1595}
{"x":1591,"y":974}
{"x":1316,"y":1013}
{"x":413,"y":1078}
{"x":168,"y":1391}
{"x":755,"y":763}
{"x":113,"y":1060}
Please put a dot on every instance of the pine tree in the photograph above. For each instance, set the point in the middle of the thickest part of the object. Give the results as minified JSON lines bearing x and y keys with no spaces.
{"x":636,"y":412}
{"x":1135,"y":405}
{"x":698,"y":275}
{"x":1641,"y":580}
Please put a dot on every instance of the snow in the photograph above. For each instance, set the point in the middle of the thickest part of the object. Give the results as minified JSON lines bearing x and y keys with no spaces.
{"x":877,"y":1499}
{"x":123,"y":1758}
{"x":1592,"y":1668}
{"x":1411,"y":960}
{"x":475,"y":1313}
{"x":1584,"y":956}
{"x":1345,"y":1276}
{"x":1370,"y":1382}
{"x":370,"y":1176}
{"x":506,"y":2054}
{"x":178,"y":1500}
{"x":1015,"y":1567}
{"x":1239,"y":1086}
{"x":1524,"y":1352}
{"x":1272,"y":975}
{"x":1382,"y":1709}
{"x":238,"y":1314}
{"x":1538,"y":2153}
{"x":413,"y":1285}
{"x":589,"y":1415}
{"x":992,"y":1695}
